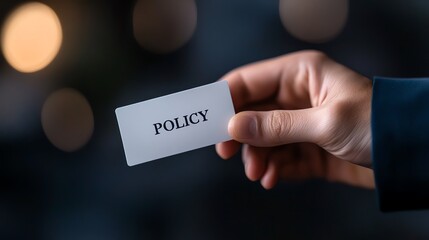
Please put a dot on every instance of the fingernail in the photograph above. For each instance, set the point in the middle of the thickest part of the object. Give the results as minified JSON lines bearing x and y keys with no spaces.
{"x":243,"y":126}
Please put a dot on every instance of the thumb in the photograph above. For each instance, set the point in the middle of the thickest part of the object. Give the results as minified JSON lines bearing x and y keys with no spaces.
{"x":274,"y":128}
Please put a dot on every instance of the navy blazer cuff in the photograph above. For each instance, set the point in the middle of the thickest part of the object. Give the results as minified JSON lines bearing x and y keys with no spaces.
{"x":400,"y":142}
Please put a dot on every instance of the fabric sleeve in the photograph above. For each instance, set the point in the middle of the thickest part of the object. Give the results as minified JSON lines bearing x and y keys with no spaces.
{"x":400,"y":142}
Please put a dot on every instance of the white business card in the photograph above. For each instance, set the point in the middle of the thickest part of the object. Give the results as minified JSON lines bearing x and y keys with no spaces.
{"x":175,"y":123}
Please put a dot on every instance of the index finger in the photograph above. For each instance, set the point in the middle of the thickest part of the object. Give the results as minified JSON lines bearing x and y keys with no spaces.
{"x":265,"y":80}
{"x":254,"y":82}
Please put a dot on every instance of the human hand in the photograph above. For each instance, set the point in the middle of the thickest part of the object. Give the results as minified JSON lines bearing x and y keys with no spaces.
{"x":301,"y":116}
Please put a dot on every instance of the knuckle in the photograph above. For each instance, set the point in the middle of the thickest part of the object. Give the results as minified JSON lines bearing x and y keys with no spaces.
{"x":277,"y":126}
{"x":312,"y":63}
{"x":315,"y":56}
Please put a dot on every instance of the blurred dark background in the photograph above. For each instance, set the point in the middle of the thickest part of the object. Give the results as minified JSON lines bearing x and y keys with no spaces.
{"x":63,"y":172}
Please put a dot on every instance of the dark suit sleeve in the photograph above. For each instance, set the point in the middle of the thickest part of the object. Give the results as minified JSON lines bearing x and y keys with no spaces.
{"x":400,"y":142}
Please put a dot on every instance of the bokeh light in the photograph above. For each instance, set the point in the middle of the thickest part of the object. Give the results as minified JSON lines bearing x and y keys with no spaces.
{"x":31,"y":37}
{"x":67,"y":119}
{"x":162,"y":26}
{"x":314,"y":21}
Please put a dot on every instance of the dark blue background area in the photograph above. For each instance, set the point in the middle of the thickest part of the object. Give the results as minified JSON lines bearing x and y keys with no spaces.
{"x":92,"y":193}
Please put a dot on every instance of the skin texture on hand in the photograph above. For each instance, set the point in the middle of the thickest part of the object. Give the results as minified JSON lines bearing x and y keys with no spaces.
{"x":301,"y":116}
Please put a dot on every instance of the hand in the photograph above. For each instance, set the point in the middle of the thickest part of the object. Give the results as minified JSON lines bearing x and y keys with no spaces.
{"x":301,"y":116}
